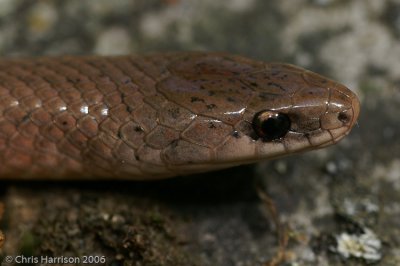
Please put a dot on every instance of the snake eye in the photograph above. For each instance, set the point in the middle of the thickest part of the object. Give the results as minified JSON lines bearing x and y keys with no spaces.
{"x":269,"y":125}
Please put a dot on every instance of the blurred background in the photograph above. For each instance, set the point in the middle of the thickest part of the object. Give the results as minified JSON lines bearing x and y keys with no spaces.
{"x":341,"y":203}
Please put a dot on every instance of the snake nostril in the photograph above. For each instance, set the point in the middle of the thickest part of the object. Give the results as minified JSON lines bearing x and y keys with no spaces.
{"x":345,"y":118}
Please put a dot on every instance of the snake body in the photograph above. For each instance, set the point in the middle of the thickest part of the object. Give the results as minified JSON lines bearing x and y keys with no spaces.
{"x":160,"y":115}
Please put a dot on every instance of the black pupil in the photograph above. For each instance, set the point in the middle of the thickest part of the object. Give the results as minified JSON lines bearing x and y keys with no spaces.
{"x":275,"y":127}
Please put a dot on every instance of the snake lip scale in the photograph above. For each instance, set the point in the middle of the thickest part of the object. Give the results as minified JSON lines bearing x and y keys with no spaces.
{"x":161,"y":115}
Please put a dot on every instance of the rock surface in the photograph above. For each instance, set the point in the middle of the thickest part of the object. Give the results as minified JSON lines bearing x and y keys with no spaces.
{"x":339,"y":202}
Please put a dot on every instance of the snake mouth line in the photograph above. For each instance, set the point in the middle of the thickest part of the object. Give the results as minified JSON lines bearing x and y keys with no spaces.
{"x":332,"y":141}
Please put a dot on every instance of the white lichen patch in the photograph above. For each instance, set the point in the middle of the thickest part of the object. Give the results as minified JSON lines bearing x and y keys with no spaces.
{"x":42,"y":19}
{"x":365,"y":246}
{"x":389,"y":172}
{"x":351,"y":207}
{"x":360,"y":39}
{"x":113,"y":41}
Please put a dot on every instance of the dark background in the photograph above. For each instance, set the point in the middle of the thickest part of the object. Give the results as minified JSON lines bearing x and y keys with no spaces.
{"x":217,"y":218}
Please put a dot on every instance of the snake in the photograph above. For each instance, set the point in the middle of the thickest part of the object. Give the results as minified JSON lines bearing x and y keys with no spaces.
{"x":154,"y":116}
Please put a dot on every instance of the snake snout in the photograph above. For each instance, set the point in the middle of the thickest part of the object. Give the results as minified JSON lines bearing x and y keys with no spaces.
{"x":355,"y":108}
{"x":342,"y":114}
{"x":349,"y":116}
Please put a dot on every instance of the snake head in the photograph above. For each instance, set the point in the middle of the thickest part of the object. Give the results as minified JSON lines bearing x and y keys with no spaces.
{"x":296,"y":110}
{"x":243,"y":110}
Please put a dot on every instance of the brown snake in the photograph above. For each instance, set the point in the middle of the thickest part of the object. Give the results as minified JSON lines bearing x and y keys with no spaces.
{"x":161,"y":115}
